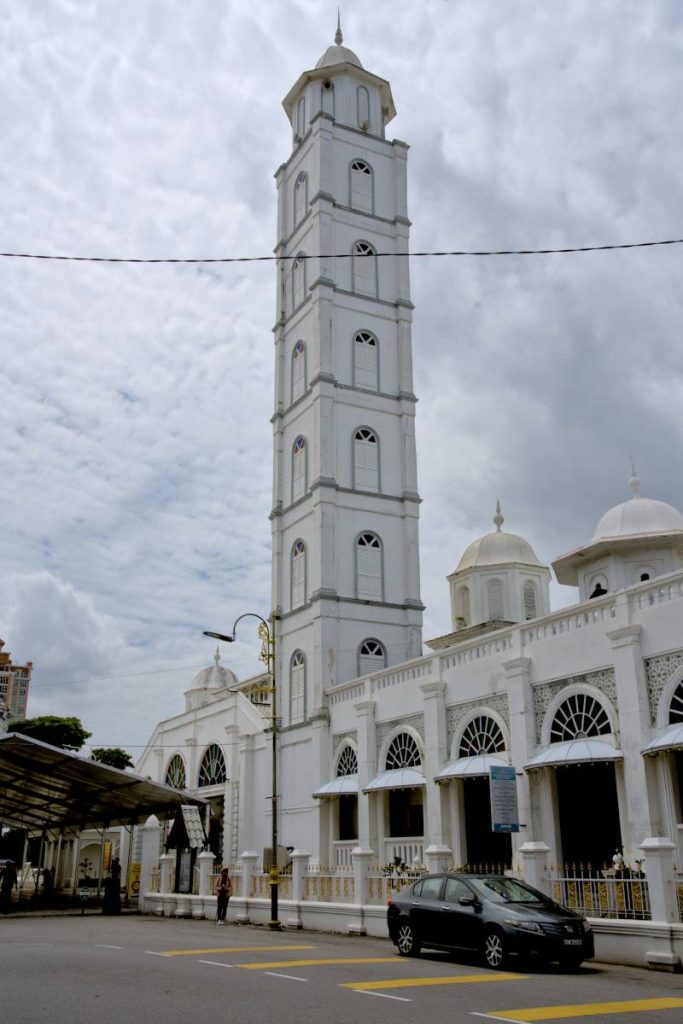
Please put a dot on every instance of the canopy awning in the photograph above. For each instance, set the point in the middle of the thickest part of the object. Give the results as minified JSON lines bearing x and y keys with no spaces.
{"x":45,"y":787}
{"x":397,"y":778}
{"x":584,"y":751}
{"x":671,"y":739}
{"x":343,"y":785}
{"x":470,"y":767}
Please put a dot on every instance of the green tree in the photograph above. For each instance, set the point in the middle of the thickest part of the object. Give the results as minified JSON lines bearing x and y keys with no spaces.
{"x":67,"y":733}
{"x":115,"y":757}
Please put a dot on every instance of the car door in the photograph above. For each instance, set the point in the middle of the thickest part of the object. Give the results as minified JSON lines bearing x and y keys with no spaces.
{"x":425,"y":909}
{"x":459,"y":923}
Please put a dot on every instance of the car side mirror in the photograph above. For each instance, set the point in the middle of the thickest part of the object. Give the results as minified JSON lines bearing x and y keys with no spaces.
{"x":468,"y":901}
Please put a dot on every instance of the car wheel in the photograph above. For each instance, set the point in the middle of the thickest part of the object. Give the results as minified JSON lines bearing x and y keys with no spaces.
{"x":495,"y":949}
{"x":407,"y":941}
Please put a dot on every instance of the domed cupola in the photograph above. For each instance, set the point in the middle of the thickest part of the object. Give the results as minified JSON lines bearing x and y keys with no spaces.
{"x":633,"y":542}
{"x":209,"y":684}
{"x":498,"y":579}
{"x":338,"y":89}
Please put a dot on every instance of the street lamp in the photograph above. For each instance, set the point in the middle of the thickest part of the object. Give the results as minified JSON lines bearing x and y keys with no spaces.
{"x":267,"y":636}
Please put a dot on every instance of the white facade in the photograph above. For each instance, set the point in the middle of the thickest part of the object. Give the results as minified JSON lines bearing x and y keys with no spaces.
{"x":586,"y":703}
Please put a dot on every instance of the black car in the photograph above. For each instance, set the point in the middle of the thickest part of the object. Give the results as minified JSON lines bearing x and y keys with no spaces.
{"x":494,"y":915}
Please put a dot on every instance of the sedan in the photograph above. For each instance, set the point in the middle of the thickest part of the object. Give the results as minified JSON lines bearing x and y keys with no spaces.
{"x":493,"y":915}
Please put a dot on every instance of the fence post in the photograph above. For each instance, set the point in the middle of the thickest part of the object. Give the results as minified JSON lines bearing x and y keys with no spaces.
{"x":249,"y":860}
{"x":166,"y":863}
{"x":360,"y":858}
{"x":205,"y":860}
{"x":661,"y":884}
{"x":535,"y":858}
{"x":151,"y":841}
{"x":300,"y":859}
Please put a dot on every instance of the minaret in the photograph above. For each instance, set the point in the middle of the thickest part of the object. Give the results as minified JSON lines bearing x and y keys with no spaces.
{"x":345,"y":510}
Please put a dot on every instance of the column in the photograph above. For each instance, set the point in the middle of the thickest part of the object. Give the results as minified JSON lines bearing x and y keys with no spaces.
{"x":367,"y":767}
{"x":522,"y":742}
{"x":536,"y":866}
{"x":438,"y":856}
{"x":639,"y":794}
{"x":249,"y":860}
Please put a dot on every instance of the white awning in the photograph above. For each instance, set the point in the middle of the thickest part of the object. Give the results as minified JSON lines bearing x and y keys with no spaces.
{"x":343,"y":785}
{"x":397,"y":778}
{"x":671,"y":739}
{"x":470,"y":767}
{"x":582,"y":751}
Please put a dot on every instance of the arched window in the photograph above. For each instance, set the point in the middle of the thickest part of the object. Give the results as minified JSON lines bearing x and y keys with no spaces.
{"x":327,"y":97}
{"x":298,"y":280}
{"x":298,"y":370}
{"x":365,"y":460}
{"x":212,"y":769}
{"x":676,"y":708}
{"x":365,"y":361}
{"x":529,"y":599}
{"x":297,"y":687}
{"x":348,"y":762}
{"x":371,"y":657}
{"x":364,"y":269}
{"x":403,"y":752}
{"x":494,"y":596}
{"x":464,"y":612}
{"x":363,"y":97}
{"x":369,"y":566}
{"x":579,"y":716}
{"x":300,"y":198}
{"x":361,"y":183}
{"x":298,"y":468}
{"x":298,"y":574}
{"x":175,"y":773}
{"x":598,"y":586}
{"x":482,"y":735}
{"x":300,"y":118}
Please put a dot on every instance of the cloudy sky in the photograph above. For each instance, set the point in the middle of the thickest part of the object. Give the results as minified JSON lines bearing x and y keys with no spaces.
{"x":136,"y":450}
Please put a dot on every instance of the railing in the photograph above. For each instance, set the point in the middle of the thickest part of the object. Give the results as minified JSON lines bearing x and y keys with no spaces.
{"x":342,"y":853}
{"x":679,"y":893}
{"x":658,"y":591}
{"x":485,"y":868}
{"x":383,"y":883}
{"x":409,"y":850}
{"x":603,"y":894}
{"x":569,"y":621}
{"x":260,"y":885}
{"x":336,"y":885}
{"x":155,"y":881}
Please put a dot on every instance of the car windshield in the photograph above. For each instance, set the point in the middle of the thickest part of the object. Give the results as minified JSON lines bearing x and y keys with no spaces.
{"x":506,"y":890}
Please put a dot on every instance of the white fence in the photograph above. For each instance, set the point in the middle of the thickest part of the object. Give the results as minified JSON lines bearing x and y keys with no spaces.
{"x":603,"y":895}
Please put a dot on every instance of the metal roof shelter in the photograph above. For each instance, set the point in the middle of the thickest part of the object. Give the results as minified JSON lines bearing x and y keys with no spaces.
{"x":45,"y":787}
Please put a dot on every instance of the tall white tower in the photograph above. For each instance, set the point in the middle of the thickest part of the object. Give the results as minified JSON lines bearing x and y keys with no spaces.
{"x":345,"y":510}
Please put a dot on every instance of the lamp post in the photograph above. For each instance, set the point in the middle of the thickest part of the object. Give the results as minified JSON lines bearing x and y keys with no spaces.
{"x":267,"y":636}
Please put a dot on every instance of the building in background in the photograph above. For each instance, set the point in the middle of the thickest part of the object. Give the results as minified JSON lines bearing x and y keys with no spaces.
{"x":14,"y":684}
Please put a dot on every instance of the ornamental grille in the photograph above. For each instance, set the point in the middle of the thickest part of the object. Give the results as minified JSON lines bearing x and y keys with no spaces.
{"x":578,"y":717}
{"x":371,"y":657}
{"x":481,"y":736}
{"x":403,"y":752}
{"x":175,"y":773}
{"x":676,"y":709}
{"x":212,"y":771}
{"x":348,"y":762}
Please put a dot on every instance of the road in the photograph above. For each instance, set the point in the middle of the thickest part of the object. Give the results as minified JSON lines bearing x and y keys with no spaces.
{"x":80,"y":970}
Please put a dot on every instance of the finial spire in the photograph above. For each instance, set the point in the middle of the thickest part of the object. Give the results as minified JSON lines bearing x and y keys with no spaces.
{"x":217,"y":656}
{"x":338,"y":37}
{"x":634,"y":482}
{"x":498,"y":519}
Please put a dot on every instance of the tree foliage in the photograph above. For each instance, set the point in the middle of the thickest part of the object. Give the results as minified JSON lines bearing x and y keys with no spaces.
{"x":115,"y":757}
{"x":67,"y":733}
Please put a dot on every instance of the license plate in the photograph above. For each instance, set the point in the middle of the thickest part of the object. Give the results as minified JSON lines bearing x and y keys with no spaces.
{"x":572,"y":942}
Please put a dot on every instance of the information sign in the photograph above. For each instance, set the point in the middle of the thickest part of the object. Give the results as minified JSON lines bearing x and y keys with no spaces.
{"x":503,"y":787}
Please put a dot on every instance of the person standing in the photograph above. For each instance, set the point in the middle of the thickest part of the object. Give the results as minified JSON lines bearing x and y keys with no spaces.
{"x":223,"y":892}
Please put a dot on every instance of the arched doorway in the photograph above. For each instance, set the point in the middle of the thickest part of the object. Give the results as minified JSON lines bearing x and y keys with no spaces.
{"x":485,"y":848}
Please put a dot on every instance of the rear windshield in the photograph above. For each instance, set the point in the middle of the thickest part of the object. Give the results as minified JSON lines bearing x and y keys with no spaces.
{"x":506,"y":890}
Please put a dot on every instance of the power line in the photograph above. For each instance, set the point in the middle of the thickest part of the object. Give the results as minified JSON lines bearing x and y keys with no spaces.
{"x":341,"y":255}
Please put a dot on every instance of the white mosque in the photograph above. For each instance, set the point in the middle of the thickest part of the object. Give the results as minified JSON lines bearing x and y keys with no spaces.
{"x":384,"y":750}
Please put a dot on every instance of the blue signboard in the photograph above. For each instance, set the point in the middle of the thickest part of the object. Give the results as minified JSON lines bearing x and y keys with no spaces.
{"x":503,"y":787}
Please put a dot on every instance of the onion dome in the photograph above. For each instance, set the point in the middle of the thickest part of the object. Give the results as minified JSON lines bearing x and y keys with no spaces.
{"x":498,"y":548}
{"x":215,"y":677}
{"x":338,"y":54}
{"x":638,"y":517}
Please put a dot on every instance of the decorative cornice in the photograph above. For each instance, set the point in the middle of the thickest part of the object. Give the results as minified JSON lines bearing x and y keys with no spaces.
{"x":404,"y":303}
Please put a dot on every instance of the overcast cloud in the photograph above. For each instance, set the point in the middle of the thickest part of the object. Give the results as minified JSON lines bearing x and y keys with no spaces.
{"x":136,"y":446}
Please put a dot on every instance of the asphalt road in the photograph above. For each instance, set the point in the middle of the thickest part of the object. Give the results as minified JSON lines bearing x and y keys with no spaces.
{"x":145,"y":970}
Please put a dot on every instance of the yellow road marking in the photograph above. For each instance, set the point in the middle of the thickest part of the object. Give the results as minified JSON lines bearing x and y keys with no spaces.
{"x":231,"y":949}
{"x":462,"y":979}
{"x":588,"y":1009}
{"x":321,"y":963}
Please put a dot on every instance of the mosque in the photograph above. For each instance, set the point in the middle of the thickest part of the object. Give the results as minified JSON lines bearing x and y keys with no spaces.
{"x":384,"y":749}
